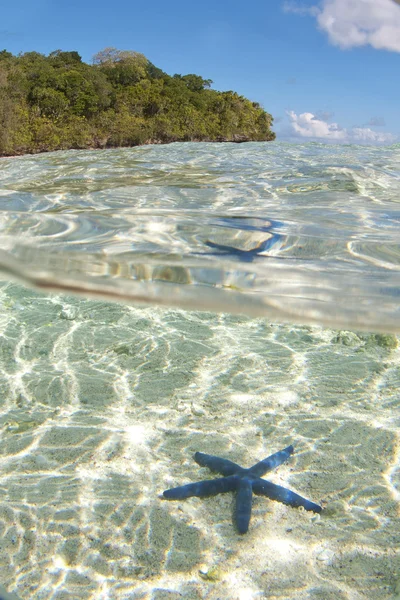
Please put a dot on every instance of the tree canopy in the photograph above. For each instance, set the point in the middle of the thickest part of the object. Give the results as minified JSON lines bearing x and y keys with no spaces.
{"x":59,"y":102}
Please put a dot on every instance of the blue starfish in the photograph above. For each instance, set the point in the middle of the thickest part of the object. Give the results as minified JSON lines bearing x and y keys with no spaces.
{"x":243,"y":255}
{"x":244,"y":482}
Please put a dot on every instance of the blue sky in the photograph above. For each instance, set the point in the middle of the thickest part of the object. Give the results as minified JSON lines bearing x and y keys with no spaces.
{"x":326,"y":70}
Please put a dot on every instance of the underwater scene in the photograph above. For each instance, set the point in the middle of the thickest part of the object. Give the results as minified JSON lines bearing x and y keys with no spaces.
{"x":163,"y":306}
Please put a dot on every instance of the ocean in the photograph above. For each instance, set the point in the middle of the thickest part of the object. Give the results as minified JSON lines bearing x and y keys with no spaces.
{"x":230,"y":299}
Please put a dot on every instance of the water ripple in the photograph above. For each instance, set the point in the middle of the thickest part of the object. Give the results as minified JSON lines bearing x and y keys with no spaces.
{"x":295,"y":233}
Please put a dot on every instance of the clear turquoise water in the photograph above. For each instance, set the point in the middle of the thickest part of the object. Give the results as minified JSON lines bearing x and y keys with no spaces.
{"x":103,"y":404}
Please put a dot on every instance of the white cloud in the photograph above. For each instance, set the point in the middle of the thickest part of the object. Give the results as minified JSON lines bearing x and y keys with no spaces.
{"x":307,"y":125}
{"x":351,"y":23}
{"x":365,"y":134}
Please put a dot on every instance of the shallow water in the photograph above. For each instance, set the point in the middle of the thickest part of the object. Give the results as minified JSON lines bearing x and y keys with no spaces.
{"x":295,"y":233}
{"x":104,"y":404}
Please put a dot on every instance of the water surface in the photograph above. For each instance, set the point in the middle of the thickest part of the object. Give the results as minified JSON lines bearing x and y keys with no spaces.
{"x":295,"y":233}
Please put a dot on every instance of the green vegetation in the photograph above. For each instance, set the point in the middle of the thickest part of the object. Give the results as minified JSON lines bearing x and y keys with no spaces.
{"x":59,"y":102}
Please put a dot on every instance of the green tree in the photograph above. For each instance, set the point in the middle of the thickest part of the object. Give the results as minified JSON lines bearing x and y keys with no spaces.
{"x":194,"y":83}
{"x":51,"y":103}
{"x":122,"y":67}
{"x":57,"y":101}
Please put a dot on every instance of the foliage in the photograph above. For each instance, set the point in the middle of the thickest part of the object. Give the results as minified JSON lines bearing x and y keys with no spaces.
{"x":58,"y":102}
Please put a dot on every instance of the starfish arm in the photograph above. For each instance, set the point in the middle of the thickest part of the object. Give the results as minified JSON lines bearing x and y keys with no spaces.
{"x":266,"y":244}
{"x":243,"y":505}
{"x":245,"y":255}
{"x":277,"y":492}
{"x":209,"y":487}
{"x":221,"y":247}
{"x":215,"y":463}
{"x":271,"y":462}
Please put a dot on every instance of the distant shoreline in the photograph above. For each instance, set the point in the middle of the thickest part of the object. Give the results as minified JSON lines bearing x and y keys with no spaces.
{"x":147,"y":143}
{"x":58,"y":102}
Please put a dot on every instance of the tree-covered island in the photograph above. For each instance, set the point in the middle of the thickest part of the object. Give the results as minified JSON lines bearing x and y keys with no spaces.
{"x":58,"y":102}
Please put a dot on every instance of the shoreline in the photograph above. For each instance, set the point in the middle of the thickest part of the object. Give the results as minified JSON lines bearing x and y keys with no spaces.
{"x":238,"y":140}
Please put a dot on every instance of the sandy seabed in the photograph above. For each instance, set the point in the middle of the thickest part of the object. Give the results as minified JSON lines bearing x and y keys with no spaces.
{"x":103,"y":407}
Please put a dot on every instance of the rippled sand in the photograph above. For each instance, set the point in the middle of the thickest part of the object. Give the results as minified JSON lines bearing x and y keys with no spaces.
{"x":103,"y":407}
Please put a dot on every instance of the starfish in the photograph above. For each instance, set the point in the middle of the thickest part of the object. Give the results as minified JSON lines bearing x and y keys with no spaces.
{"x":244,"y":482}
{"x":243,"y":255}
